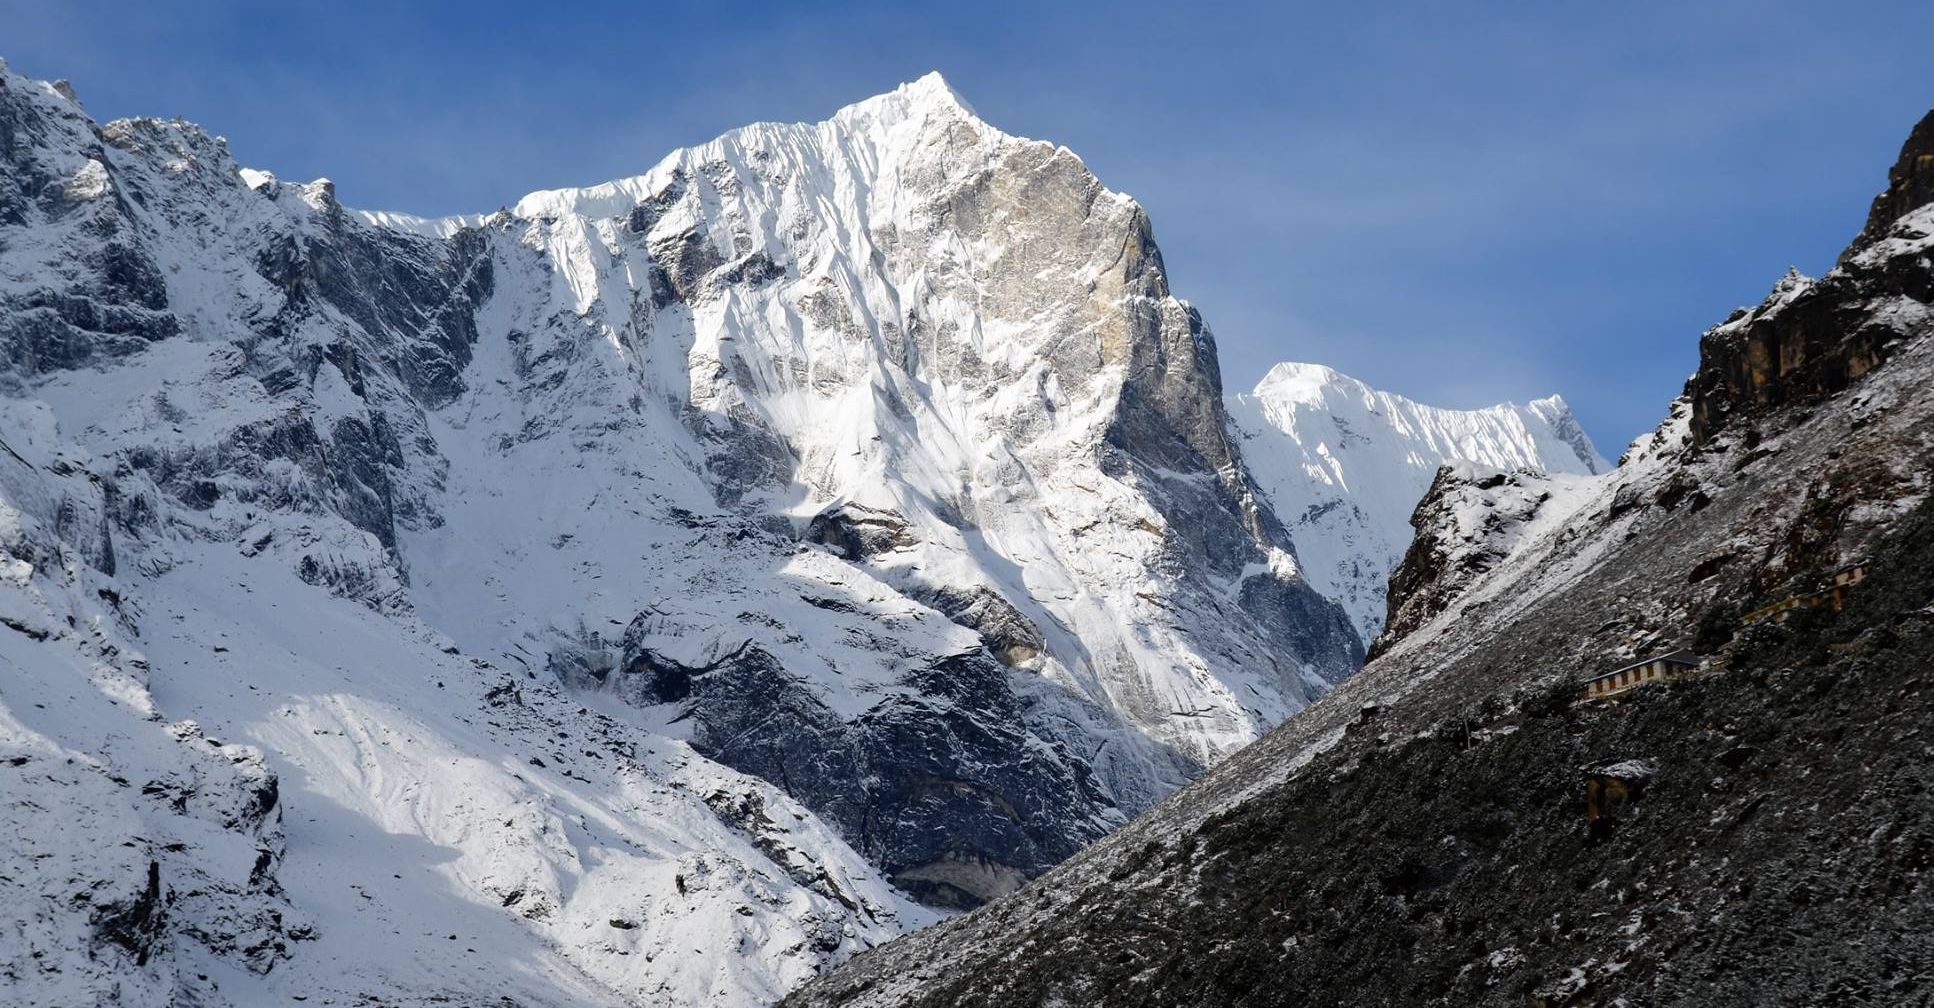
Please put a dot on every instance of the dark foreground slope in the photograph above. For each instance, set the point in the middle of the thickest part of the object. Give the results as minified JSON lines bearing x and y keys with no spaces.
{"x":1778,"y":855}
{"x":1761,"y":834}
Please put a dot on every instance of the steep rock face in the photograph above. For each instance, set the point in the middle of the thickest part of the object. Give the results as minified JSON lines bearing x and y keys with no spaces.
{"x":1809,"y":340}
{"x":1757,"y":833}
{"x":1344,"y":464}
{"x":1469,"y":521}
{"x":1812,"y":339}
{"x":675,"y":572}
{"x":937,"y":753}
{"x":1910,"y":186}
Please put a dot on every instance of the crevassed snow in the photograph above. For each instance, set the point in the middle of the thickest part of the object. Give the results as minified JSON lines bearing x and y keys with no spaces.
{"x":1345,"y":465}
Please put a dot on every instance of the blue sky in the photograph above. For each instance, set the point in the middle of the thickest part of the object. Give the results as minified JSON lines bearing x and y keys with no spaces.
{"x":1461,"y":202}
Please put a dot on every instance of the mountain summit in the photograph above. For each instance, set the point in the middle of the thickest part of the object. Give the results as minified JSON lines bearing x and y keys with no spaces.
{"x":1344,"y":465}
{"x":654,"y":592}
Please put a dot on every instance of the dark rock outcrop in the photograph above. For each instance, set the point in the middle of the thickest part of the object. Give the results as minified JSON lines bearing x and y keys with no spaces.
{"x":953,"y":802}
{"x":1910,"y":186}
{"x":1009,"y":636}
{"x":857,"y":532}
{"x":1812,"y":339}
{"x":1467,"y":523}
{"x":139,"y":924}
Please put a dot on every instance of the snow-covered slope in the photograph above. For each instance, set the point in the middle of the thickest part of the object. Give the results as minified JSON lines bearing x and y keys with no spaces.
{"x":631,"y":597}
{"x":1345,"y":464}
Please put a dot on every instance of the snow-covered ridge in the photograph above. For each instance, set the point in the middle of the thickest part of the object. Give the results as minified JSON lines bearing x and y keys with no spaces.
{"x":1345,"y":464}
{"x":883,"y":118}
{"x":1494,"y":435}
{"x":687,"y":570}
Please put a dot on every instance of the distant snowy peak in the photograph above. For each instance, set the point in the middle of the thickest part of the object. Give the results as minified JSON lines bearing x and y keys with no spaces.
{"x":1345,"y":464}
{"x":1558,"y":419}
{"x":1294,"y":395}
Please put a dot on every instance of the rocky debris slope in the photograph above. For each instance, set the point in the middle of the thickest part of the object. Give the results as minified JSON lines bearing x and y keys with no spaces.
{"x":1344,"y":464}
{"x":637,"y":595}
{"x":1452,"y":827}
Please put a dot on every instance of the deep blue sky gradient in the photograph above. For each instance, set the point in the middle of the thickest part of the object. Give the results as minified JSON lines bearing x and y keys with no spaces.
{"x":1461,"y":202}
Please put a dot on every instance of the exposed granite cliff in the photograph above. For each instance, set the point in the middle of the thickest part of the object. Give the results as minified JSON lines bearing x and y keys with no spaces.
{"x":1811,"y":339}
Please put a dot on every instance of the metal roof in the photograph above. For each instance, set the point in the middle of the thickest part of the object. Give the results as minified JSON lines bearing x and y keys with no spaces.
{"x":1681,"y":656}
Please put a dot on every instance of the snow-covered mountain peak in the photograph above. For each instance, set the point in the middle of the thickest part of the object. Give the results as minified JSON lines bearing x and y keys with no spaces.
{"x":1557,"y":415}
{"x":1345,"y":464}
{"x":1550,"y":407}
{"x":877,"y":132}
{"x":1294,"y":392}
{"x":926,"y":95}
{"x":1296,"y":381}
{"x":833,"y":513}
